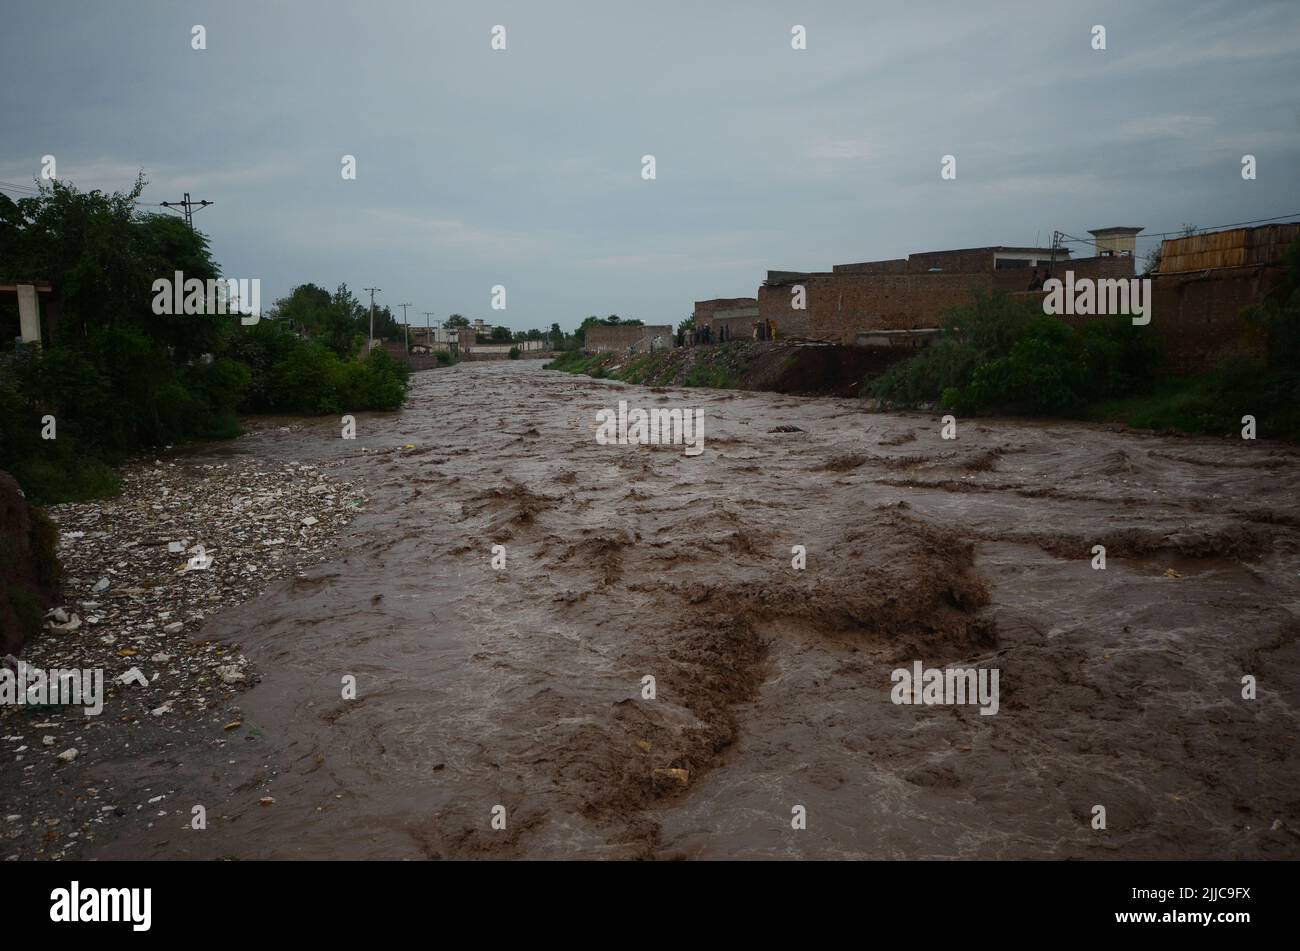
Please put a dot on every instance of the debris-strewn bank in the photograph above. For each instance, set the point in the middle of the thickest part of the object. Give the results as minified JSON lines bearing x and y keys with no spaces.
{"x":138,"y":587}
{"x":782,"y":366}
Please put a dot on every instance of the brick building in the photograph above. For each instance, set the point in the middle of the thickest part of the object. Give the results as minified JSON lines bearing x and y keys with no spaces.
{"x":733,"y":311}
{"x":1203,"y":284}
{"x":873,"y":301}
{"x":450,"y":339}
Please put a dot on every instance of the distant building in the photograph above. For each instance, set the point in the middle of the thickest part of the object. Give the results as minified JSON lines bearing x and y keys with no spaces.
{"x":903,"y":300}
{"x":706,"y":310}
{"x":1115,"y":241}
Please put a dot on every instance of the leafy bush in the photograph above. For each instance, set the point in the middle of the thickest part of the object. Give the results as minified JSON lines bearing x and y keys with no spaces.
{"x":985,"y":328}
{"x":1003,"y":353}
{"x":1119,"y":359}
{"x":947,"y":364}
{"x":1041,"y":374}
{"x":992,"y":323}
{"x":312,"y":379}
{"x":376,"y":383}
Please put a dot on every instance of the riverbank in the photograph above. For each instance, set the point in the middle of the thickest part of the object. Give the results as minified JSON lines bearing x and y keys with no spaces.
{"x":1208,"y":404}
{"x":780,"y":366}
{"x":188,"y":536}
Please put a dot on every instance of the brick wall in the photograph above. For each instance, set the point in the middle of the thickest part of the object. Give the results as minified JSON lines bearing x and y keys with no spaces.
{"x":618,"y":338}
{"x":969,"y":261}
{"x":840,"y":305}
{"x":896,"y":266}
{"x":878,"y":295}
{"x":1198,"y":316}
{"x":1115,"y":267}
{"x":740,"y":328}
{"x":705,"y":309}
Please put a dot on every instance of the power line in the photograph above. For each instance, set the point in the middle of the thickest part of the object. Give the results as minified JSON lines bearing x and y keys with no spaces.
{"x":1181,"y":233}
{"x":28,"y":191}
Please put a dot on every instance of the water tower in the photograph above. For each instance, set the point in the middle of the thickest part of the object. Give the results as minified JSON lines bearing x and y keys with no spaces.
{"x":1116,"y":242}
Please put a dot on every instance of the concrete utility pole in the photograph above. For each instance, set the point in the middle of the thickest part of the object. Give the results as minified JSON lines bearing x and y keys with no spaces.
{"x":406,"y":328}
{"x":370,"y":341}
{"x":189,"y":207}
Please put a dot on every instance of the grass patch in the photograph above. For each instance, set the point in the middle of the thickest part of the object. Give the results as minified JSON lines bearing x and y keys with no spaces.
{"x":572,"y":361}
{"x":65,"y":477}
{"x":1211,"y":404}
{"x":709,"y":377}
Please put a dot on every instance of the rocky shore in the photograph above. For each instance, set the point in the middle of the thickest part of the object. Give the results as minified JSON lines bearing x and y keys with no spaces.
{"x":142,"y":572}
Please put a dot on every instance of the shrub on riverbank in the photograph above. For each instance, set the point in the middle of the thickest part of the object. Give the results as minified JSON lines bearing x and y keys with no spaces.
{"x":1000,"y":353}
{"x":997,"y":356}
{"x":719,"y":366}
{"x":292,"y":375}
{"x":571,"y":361}
{"x":1212,"y":403}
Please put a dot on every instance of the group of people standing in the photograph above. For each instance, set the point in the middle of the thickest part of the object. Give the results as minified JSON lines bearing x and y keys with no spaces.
{"x":696,"y":336}
{"x":699,"y":335}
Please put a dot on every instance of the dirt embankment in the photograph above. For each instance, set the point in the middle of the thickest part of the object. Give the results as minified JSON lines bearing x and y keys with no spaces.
{"x":29,"y":569}
{"x":779,"y":367}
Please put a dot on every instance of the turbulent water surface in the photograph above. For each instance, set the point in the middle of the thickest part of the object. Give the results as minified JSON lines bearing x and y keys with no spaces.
{"x":523,"y":687}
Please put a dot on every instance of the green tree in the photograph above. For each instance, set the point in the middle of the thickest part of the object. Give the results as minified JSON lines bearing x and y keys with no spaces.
{"x":119,"y":377}
{"x":103,"y":258}
{"x":305,"y":308}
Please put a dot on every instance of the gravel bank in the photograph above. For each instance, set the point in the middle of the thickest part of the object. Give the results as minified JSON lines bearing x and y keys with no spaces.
{"x":143,"y":572}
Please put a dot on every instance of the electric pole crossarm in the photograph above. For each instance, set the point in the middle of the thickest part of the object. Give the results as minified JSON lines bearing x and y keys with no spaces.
{"x":188,"y":205}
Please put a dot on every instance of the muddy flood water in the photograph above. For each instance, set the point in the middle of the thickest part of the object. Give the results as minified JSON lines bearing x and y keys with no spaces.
{"x":523,"y":687}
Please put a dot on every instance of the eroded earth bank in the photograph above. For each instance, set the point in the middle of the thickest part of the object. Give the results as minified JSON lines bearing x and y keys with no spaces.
{"x":522,"y":687}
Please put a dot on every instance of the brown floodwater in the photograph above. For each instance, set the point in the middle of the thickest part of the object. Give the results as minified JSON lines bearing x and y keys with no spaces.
{"x":523,"y":687}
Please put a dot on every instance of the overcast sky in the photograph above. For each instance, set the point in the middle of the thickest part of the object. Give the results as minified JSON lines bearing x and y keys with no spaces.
{"x":522,"y":167}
